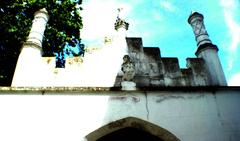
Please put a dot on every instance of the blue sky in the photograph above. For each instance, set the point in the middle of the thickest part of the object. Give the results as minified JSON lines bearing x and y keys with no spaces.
{"x":163,"y":23}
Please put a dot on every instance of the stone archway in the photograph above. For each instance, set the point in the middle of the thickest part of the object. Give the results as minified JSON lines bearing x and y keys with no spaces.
{"x":134,"y":126}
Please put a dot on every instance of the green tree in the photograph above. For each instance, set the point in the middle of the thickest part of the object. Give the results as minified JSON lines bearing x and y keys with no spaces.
{"x":15,"y":23}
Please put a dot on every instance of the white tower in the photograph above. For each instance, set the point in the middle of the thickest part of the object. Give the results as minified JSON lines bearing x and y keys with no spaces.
{"x":29,"y":69}
{"x":207,"y":50}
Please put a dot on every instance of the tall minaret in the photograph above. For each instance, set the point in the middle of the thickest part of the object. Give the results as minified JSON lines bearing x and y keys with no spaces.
{"x":29,"y":69}
{"x":207,"y":50}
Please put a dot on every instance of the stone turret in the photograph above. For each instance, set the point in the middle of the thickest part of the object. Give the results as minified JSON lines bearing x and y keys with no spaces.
{"x":207,"y":50}
{"x":29,"y":69}
{"x":38,"y":27}
{"x":120,"y":22}
{"x":127,"y":69}
{"x":121,"y":27}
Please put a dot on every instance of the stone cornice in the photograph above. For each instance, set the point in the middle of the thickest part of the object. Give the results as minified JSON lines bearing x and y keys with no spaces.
{"x":204,"y":47}
{"x":106,"y":90}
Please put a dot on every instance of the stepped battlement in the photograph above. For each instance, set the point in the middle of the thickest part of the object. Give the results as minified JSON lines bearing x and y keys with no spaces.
{"x":150,"y":68}
{"x":154,"y":70}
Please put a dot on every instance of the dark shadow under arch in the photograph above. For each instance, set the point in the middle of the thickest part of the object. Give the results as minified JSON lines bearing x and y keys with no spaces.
{"x":131,"y":125}
{"x":129,"y":134}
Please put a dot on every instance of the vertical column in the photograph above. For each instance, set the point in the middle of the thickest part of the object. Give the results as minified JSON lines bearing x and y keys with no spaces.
{"x":121,"y":26}
{"x":38,"y":27}
{"x":123,"y":58}
{"x":31,"y":69}
{"x":207,"y":50}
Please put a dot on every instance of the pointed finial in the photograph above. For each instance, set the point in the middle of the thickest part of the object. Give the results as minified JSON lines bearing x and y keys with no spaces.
{"x":192,"y":12}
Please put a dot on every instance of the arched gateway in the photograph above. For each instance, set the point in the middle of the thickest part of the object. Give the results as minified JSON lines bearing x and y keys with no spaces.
{"x":131,"y":128}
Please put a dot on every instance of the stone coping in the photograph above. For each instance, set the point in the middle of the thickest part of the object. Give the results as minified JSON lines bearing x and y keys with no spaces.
{"x":113,"y":89}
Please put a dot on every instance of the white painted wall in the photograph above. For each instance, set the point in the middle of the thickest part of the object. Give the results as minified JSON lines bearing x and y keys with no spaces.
{"x":30,"y":68}
{"x":190,"y":116}
{"x":98,"y":68}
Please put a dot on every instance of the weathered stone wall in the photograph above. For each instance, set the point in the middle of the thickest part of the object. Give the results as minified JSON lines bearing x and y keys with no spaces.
{"x":63,"y":114}
{"x":154,"y":70}
{"x":102,"y":68}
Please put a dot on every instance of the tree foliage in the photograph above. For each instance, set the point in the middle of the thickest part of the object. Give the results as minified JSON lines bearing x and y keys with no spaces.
{"x":16,"y":20}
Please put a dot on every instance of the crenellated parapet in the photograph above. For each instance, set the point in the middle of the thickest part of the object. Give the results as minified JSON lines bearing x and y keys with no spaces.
{"x":142,"y":66}
{"x":154,"y":70}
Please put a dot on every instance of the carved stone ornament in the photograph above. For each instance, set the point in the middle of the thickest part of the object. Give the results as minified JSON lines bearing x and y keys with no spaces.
{"x":128,"y":69}
{"x":121,"y":23}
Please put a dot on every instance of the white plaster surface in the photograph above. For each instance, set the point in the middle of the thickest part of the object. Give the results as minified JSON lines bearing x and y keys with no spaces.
{"x":98,"y":68}
{"x":190,"y":116}
{"x":30,"y":69}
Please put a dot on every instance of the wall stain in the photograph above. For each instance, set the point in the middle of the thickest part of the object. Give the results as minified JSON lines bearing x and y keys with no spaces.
{"x":168,"y":97}
{"x":196,"y":96}
{"x":121,"y":98}
{"x":135,"y":99}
